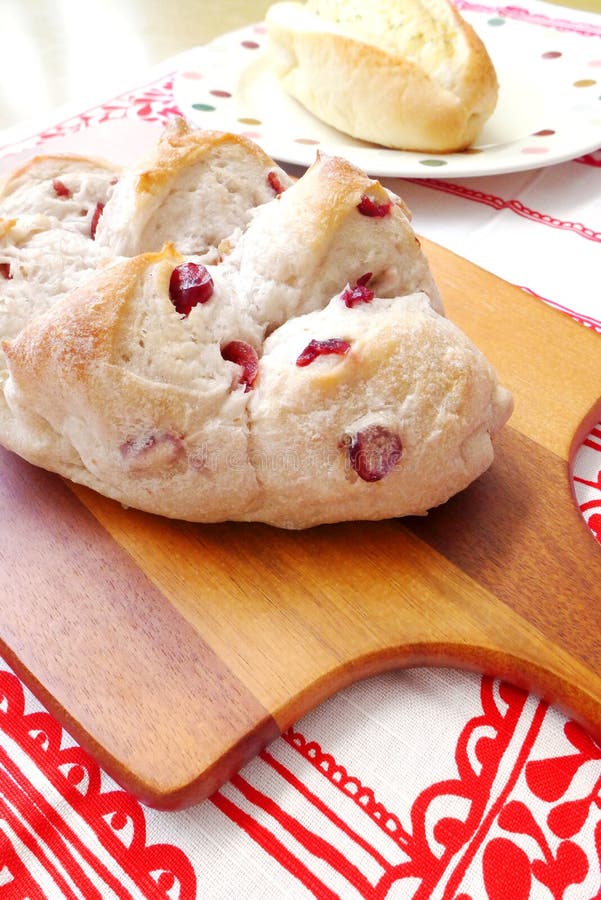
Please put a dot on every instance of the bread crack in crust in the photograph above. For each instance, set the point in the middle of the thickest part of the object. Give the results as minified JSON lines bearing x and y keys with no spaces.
{"x":285,"y":359}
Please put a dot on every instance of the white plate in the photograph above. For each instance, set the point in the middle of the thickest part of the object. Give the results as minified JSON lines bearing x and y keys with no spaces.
{"x":549,"y":107}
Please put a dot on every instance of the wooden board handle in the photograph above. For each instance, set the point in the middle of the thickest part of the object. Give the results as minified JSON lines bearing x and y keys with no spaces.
{"x":174,"y":651}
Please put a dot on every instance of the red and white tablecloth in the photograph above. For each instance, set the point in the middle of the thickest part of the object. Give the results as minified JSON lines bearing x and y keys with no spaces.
{"x":429,"y":784}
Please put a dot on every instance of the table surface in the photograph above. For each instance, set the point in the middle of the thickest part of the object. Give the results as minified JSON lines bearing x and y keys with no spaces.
{"x":63,"y":50}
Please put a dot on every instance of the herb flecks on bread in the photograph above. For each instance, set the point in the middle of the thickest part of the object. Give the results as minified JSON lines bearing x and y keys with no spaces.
{"x":412,"y":75}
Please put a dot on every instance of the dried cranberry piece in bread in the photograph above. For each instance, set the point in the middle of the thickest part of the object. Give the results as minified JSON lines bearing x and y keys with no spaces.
{"x":315,"y":349}
{"x":60,"y":188}
{"x":374,"y":452}
{"x":189,"y":285}
{"x":368,"y":207}
{"x":244,"y":355}
{"x":359,"y":292}
{"x":95,"y":219}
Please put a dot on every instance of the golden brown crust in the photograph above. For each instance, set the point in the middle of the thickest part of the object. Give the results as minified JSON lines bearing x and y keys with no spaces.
{"x":61,"y":159}
{"x":6,"y":226}
{"x":60,"y":346}
{"x":429,"y":118}
{"x":330,"y":190}
{"x":347,"y":184}
{"x":377,"y":94}
{"x":480,"y":85}
{"x":180,"y":147}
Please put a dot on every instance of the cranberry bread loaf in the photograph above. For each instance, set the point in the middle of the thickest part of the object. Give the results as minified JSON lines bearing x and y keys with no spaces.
{"x":293,"y":382}
{"x":408,"y":74}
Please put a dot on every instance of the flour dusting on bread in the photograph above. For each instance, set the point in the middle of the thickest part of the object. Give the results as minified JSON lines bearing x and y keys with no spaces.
{"x":297,"y":371}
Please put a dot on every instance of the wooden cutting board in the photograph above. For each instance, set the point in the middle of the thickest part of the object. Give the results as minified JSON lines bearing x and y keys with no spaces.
{"x":174,"y":652}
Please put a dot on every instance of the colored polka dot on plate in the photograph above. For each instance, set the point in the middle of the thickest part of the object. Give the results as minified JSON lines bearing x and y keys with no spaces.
{"x":250,"y":121}
{"x":534,"y":151}
{"x":260,"y":29}
{"x":433,"y":162}
{"x":250,"y":45}
{"x":552,"y":54}
{"x":585,"y":82}
{"x":544,"y":132}
{"x":495,"y":22}
{"x":192,"y":75}
{"x":203,"y":107}
{"x":251,"y":135}
{"x":308,"y":141}
{"x":595,"y":63}
{"x":217,"y":93}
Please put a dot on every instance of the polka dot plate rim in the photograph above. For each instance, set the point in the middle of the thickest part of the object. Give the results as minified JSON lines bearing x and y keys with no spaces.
{"x":549,"y":107}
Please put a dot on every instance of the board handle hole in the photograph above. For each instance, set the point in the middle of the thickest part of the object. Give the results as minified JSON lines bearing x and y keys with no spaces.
{"x":585,"y":476}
